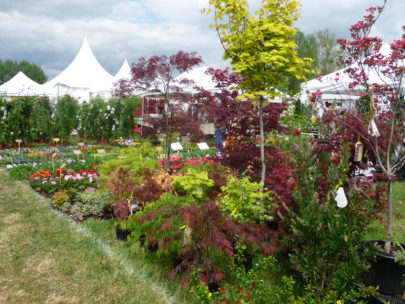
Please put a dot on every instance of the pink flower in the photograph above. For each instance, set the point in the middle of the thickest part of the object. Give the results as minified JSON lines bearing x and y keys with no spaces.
{"x":53,"y":183}
{"x":296,"y":132}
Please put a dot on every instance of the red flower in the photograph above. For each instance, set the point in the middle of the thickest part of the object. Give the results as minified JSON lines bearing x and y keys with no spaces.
{"x":296,"y":132}
{"x":291,"y":184}
{"x":371,"y":195}
{"x":346,"y":137}
{"x":334,"y":160}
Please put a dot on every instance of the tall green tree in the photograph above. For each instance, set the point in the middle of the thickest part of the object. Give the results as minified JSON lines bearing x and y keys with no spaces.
{"x":307,"y":47}
{"x":65,"y":117}
{"x":328,"y":55}
{"x":261,"y":48}
{"x":10,"y":68}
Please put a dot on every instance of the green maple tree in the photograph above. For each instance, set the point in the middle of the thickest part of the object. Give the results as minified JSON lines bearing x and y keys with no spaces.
{"x":261,"y":48}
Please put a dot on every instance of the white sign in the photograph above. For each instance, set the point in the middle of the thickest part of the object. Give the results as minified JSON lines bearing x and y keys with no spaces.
{"x":372,"y":128}
{"x":340,"y":198}
{"x":77,"y":152}
{"x":203,"y":146}
{"x":176,"y":146}
{"x":101,"y":151}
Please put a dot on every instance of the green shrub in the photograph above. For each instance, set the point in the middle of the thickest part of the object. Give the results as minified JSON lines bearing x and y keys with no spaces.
{"x":60,"y":198}
{"x":88,"y":203}
{"x":65,"y":118}
{"x":22,"y":172}
{"x":195,"y":184}
{"x":325,"y":239}
{"x":132,"y":159}
{"x":245,"y":201}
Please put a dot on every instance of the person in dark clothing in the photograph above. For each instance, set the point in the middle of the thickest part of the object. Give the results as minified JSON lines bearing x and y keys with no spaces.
{"x":220,"y":128}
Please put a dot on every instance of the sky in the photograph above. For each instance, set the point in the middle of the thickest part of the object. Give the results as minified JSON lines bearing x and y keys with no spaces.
{"x":50,"y":32}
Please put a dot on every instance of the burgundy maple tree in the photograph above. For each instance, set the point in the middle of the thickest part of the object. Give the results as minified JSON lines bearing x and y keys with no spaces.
{"x":156,"y":76}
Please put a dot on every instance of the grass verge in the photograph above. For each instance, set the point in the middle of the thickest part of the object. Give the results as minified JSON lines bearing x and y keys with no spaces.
{"x":47,"y":258}
{"x":377,"y":230}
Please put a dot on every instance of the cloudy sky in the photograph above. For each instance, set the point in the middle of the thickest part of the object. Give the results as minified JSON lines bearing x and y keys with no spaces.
{"x":50,"y":32}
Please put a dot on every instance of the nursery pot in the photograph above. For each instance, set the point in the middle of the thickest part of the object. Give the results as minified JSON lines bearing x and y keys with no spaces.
{"x":385,"y":273}
{"x":121,"y":234}
{"x":151,"y":248}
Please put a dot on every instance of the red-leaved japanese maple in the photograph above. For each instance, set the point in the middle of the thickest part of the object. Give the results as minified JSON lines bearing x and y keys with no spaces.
{"x":210,"y":230}
{"x":156,"y":77}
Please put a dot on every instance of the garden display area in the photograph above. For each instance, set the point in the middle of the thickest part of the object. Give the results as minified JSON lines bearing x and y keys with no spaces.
{"x":128,"y":200}
{"x":197,"y":221}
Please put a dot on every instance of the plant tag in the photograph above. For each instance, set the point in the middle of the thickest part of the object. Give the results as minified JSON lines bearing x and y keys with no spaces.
{"x":133,"y":205}
{"x":176,"y":146}
{"x":81,"y":144}
{"x":101,"y":151}
{"x":77,"y":152}
{"x":18,"y":141}
{"x":358,"y":152}
{"x":187,"y":235}
{"x":372,"y":128}
{"x":56,"y":139}
{"x":340,"y":198}
{"x":203,"y":146}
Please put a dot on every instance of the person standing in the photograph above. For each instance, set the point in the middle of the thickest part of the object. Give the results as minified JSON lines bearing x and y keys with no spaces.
{"x":219,"y":126}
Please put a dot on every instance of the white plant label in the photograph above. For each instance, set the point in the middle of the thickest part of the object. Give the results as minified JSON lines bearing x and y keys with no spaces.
{"x":176,"y":146}
{"x":77,"y":152}
{"x":203,"y":146}
{"x":372,"y":128}
{"x":341,"y":198}
{"x":101,"y":151}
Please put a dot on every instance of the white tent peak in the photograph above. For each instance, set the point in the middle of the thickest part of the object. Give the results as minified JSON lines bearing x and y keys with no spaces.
{"x":21,"y":84}
{"x":83,"y":72}
{"x":200,"y":78}
{"x":124,"y":72}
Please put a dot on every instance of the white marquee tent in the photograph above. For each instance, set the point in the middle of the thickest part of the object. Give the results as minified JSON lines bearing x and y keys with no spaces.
{"x":123,"y":73}
{"x":200,"y":78}
{"x":21,"y":85}
{"x":83,"y":78}
{"x":334,"y":86}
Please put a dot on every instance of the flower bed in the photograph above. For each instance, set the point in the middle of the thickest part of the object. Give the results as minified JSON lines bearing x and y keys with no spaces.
{"x":51,"y":182}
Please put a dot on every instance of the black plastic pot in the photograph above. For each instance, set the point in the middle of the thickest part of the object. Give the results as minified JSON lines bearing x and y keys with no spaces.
{"x":213,"y":287}
{"x":151,"y":248}
{"x":382,"y":299}
{"x":385,"y":273}
{"x":121,"y":234}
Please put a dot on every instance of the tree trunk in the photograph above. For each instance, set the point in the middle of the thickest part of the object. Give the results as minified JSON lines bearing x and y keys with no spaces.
{"x":387,"y":245}
{"x":169,"y":140}
{"x":262,"y":140}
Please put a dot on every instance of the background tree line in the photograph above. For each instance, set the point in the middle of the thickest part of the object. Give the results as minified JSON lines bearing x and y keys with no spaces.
{"x":323,"y":49}
{"x":10,"y":68}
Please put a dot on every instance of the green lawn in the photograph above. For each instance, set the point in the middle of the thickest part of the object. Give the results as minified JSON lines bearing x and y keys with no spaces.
{"x":376,"y":230}
{"x":47,"y":258}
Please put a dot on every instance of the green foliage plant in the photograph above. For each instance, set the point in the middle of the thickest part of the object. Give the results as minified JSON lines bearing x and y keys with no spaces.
{"x":245,"y":201}
{"x":250,"y":287}
{"x":86,"y":204}
{"x":65,"y":117}
{"x":60,"y":198}
{"x":325,"y":239}
{"x":132,"y":159}
{"x":22,"y":172}
{"x":194,"y":183}
{"x":261,"y":48}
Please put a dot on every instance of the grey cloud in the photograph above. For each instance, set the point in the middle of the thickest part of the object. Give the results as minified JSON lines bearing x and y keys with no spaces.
{"x":50,"y":33}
